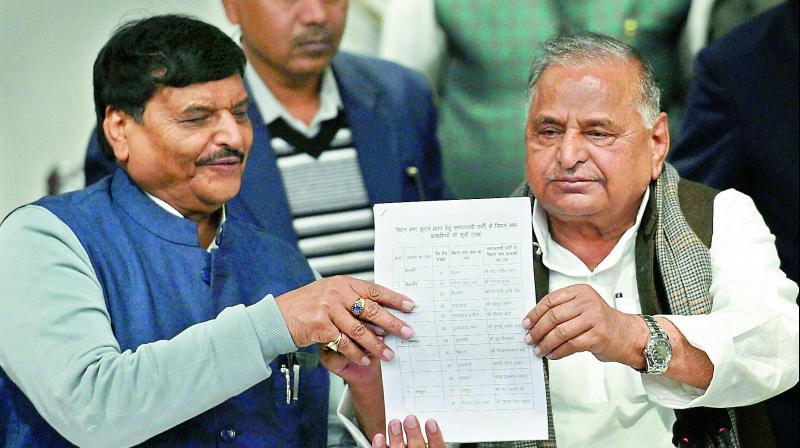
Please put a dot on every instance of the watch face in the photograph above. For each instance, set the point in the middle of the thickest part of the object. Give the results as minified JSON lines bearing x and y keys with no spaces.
{"x":662,"y":350}
{"x":659,"y":355}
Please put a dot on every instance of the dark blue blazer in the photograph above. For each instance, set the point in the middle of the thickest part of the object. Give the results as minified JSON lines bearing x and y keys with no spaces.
{"x":390,"y":112}
{"x":741,"y":124}
{"x":741,"y":131}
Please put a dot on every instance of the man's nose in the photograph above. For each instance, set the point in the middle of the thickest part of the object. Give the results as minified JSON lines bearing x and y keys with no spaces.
{"x":313,"y":11}
{"x":229,"y":132}
{"x":571,"y":149}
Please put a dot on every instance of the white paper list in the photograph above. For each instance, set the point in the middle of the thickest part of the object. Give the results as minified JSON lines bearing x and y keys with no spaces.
{"x":468,"y":266}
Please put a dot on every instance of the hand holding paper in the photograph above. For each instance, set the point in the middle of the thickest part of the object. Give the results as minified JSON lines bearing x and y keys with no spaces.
{"x":468,"y":266}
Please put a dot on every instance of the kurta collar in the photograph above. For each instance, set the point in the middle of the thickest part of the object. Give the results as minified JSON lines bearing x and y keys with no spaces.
{"x":163,"y":204}
{"x":559,"y":259}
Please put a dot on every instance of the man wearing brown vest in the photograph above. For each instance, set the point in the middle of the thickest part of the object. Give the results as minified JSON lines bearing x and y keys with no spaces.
{"x":662,"y":310}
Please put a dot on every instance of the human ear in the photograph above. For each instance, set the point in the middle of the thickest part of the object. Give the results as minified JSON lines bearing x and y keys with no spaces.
{"x":659,"y":139}
{"x":115,"y":129}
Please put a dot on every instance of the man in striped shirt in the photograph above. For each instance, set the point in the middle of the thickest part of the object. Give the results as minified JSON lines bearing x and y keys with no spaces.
{"x":345,"y":131}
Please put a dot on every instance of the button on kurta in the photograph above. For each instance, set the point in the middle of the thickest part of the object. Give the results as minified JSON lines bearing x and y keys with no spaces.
{"x":205,"y":274}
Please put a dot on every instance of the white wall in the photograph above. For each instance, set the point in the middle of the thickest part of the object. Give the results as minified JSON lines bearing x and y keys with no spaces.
{"x":47,"y":48}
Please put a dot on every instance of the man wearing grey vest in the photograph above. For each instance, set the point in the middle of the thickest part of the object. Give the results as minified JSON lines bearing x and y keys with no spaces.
{"x":654,"y":332}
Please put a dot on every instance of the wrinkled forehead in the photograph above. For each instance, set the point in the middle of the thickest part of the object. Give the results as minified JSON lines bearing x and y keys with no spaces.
{"x":586,"y":83}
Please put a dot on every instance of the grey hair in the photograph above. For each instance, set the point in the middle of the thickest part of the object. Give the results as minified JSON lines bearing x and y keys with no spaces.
{"x":588,"y":48}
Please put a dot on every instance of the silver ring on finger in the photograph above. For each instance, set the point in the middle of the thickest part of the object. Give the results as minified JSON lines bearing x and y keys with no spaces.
{"x":334,"y":345}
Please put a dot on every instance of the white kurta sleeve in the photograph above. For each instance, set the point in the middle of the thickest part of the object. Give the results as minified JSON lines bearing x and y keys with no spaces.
{"x":751,"y":334}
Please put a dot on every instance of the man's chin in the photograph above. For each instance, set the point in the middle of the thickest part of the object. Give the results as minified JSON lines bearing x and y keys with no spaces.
{"x":228,"y":194}
{"x":572,"y":208}
{"x":311,"y":63}
{"x":220,"y":192}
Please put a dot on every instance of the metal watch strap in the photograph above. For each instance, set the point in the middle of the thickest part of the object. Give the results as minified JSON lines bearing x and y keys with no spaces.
{"x":653,"y":326}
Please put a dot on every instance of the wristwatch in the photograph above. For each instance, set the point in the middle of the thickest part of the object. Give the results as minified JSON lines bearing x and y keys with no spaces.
{"x":658,"y":351}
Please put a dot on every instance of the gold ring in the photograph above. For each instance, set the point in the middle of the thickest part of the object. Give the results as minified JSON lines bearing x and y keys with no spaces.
{"x":334,"y":345}
{"x":358,"y":307}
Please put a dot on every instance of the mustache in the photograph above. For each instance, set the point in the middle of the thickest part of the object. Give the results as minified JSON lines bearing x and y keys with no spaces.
{"x":223,"y":153}
{"x":562,"y":175}
{"x":314,"y":34}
